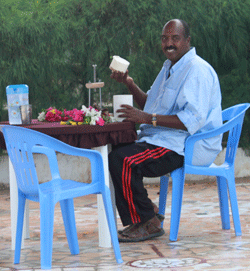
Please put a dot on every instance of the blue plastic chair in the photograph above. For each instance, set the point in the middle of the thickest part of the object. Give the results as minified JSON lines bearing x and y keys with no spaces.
{"x":21,"y":143}
{"x":234,"y":117}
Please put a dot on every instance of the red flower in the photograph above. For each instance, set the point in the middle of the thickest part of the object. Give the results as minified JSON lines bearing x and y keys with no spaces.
{"x":53,"y":115}
{"x":100,"y":122}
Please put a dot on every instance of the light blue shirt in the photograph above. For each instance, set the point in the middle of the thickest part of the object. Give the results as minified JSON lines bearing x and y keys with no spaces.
{"x":192,"y":92}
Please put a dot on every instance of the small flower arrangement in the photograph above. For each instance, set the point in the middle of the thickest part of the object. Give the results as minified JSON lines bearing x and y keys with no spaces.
{"x":90,"y":115}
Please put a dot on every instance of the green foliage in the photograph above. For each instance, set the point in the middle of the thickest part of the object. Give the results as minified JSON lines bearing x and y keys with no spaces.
{"x":235,"y":89}
{"x":33,"y":52}
{"x":51,"y":45}
{"x":222,"y":34}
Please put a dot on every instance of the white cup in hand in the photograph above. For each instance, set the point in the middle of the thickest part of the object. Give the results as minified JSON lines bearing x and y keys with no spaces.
{"x":118,"y":100}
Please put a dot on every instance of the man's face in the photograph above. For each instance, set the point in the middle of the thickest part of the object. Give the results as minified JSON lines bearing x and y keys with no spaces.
{"x":173,"y":42}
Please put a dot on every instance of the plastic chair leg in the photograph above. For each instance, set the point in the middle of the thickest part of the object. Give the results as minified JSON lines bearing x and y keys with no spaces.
{"x":47,"y":207}
{"x":178,"y":179}
{"x":111,"y":223}
{"x":19,"y":227}
{"x":223,"y":200}
{"x":68,"y":214}
{"x":234,"y":205}
{"x":163,"y":195}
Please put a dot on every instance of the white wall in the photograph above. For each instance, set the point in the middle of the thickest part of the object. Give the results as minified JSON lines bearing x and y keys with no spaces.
{"x":79,"y":168}
{"x":71,"y":167}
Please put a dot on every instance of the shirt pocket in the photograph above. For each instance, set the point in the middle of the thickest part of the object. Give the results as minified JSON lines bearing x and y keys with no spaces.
{"x":168,"y":98}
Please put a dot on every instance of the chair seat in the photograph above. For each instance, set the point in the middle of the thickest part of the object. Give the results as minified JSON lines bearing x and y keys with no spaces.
{"x":212,"y":170}
{"x":61,"y":185}
{"x":65,"y":189}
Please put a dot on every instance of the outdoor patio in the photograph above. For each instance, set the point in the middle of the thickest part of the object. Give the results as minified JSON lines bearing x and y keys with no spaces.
{"x":202,"y":244}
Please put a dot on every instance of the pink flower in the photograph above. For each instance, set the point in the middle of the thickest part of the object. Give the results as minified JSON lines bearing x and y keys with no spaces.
{"x":100,"y":122}
{"x":65,"y":115}
{"x":69,"y":113}
{"x":49,"y":116}
{"x":77,"y":115}
{"x":53,"y":115}
{"x":65,"y":118}
{"x":78,"y":118}
{"x":58,"y":112}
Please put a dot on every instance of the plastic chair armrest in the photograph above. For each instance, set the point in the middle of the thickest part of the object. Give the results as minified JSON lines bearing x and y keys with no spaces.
{"x":191,"y":140}
{"x":52,"y":158}
{"x":94,"y":156}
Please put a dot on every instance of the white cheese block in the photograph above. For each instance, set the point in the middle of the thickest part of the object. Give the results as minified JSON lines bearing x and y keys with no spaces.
{"x":119,"y":64}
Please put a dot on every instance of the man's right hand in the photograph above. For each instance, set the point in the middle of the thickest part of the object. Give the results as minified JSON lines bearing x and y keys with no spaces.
{"x":122,"y":77}
{"x":139,"y":96}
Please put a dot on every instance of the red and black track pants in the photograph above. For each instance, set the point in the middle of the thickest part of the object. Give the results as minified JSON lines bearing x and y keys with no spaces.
{"x":128,"y":165}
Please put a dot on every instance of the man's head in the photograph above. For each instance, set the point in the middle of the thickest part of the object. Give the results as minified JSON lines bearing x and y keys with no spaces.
{"x":175,"y":39}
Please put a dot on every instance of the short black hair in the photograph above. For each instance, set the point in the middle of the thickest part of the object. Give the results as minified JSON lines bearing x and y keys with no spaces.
{"x":186,"y":28}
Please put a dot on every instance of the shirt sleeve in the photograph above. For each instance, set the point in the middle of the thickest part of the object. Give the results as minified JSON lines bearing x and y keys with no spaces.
{"x":194,"y":100}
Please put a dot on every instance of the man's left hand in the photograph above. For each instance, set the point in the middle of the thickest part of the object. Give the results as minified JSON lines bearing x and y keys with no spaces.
{"x":133,"y":114}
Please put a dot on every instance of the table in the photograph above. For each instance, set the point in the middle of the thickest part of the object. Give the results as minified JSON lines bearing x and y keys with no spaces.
{"x":82,"y":136}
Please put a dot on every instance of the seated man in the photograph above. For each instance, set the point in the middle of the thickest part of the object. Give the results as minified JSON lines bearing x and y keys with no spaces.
{"x":184,"y":99}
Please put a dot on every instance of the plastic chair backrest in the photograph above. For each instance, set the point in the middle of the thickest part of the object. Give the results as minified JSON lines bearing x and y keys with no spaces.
{"x":236,"y":112}
{"x":21,"y":143}
{"x":233,"y":118}
{"x":19,"y":147}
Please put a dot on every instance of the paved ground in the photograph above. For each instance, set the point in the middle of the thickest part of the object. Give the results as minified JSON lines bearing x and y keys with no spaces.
{"x":202,"y":244}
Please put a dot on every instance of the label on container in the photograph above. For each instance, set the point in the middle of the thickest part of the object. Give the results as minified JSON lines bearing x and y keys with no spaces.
{"x":17,"y":99}
{"x":16,"y":95}
{"x":14,"y":115}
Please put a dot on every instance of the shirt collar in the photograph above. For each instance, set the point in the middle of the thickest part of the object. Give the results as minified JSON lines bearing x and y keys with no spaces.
{"x":188,"y":56}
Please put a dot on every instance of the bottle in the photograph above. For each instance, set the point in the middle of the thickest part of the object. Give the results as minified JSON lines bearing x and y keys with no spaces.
{"x":17,"y":95}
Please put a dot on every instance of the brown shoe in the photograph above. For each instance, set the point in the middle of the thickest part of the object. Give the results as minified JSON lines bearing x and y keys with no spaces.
{"x":142,"y":231}
{"x":128,"y":228}
{"x":156,"y":210}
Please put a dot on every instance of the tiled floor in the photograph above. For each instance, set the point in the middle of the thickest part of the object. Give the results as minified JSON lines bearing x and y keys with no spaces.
{"x":202,"y":244}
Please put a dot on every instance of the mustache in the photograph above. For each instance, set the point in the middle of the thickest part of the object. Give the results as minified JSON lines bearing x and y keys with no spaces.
{"x":170,"y":48}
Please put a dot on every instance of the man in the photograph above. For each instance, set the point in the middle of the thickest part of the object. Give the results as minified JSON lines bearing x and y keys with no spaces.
{"x":184,"y":99}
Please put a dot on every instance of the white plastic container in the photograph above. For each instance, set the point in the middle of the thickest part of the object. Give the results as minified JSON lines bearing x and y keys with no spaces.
{"x":119,"y":64}
{"x":17,"y":95}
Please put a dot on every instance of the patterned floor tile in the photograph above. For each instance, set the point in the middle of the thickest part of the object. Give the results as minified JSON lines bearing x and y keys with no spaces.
{"x":201,"y":244}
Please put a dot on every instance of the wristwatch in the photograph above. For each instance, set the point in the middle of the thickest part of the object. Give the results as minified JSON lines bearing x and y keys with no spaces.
{"x":154,"y":120}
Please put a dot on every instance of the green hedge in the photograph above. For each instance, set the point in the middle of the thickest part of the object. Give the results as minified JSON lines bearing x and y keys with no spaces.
{"x":52,"y":45}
